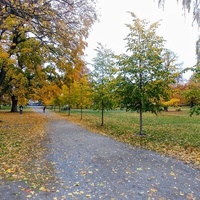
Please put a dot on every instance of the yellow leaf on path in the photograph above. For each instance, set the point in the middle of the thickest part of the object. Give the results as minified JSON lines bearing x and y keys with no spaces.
{"x":172,"y":174}
{"x":88,"y":195}
{"x":181,"y":193}
{"x":153,"y":190}
{"x":43,"y":189}
{"x":76,"y":192}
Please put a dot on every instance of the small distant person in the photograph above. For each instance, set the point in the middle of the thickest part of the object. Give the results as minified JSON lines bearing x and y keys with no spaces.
{"x":20,"y":109}
{"x":44,"y":109}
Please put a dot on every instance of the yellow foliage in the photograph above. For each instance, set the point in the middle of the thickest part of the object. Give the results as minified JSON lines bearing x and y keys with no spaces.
{"x":172,"y":102}
{"x":3,"y":55}
{"x":48,"y":93}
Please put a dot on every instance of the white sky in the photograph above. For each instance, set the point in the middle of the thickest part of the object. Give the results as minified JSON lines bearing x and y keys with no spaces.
{"x":176,"y":29}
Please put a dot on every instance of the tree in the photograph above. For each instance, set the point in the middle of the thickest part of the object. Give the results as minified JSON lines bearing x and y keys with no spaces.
{"x":58,"y":27}
{"x":173,"y":102}
{"x":190,"y":6}
{"x":177,"y":96}
{"x":77,"y":94}
{"x":194,"y":7}
{"x":198,"y":49}
{"x":193,"y":91}
{"x":103,"y":77}
{"x":82,"y":93}
{"x":193,"y":94}
{"x":145,"y":73}
{"x":21,"y":80}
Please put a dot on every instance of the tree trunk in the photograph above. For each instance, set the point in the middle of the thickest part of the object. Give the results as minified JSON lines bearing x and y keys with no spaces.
{"x":140,"y":133}
{"x":81,"y":112}
{"x":191,"y":103}
{"x":69,"y":110}
{"x":14,"y":103}
{"x":141,"y":106}
{"x":2,"y":75}
{"x":102,"y":113}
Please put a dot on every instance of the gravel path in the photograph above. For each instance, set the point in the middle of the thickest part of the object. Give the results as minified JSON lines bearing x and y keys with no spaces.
{"x":92,"y":166}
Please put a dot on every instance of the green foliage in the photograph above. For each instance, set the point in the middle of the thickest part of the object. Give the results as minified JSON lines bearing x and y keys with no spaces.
{"x":146,"y":70}
{"x":103,"y":79}
{"x":195,"y":110}
{"x":193,"y":91}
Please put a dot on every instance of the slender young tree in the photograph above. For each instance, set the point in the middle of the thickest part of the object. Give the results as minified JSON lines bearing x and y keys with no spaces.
{"x":82,"y":93}
{"x":103,"y":77}
{"x":145,"y":75}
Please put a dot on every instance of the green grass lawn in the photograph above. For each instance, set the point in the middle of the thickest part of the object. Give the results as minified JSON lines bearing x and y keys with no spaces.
{"x":172,"y":133}
{"x":5,"y":107}
{"x":8,"y":108}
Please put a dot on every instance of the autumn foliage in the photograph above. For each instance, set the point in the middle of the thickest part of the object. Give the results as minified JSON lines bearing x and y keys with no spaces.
{"x":21,"y":138}
{"x":41,"y":42}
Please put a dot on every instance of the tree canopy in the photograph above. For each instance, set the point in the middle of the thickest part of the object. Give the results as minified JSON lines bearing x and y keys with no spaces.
{"x":42,"y":41}
{"x":103,"y":79}
{"x":147,"y":69}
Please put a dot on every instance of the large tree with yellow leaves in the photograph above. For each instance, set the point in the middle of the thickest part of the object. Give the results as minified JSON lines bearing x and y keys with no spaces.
{"x":41,"y":41}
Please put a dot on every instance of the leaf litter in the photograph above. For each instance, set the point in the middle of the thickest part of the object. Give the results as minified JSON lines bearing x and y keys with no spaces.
{"x":22,"y":151}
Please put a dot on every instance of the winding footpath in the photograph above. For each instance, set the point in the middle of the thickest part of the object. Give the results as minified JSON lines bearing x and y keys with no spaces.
{"x":92,"y":166}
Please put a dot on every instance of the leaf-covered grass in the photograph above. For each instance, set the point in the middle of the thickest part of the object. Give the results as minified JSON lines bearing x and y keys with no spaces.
{"x":21,"y":148}
{"x":171,"y":133}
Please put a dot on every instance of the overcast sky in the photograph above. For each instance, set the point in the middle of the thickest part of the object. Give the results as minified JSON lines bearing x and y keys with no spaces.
{"x":176,"y":29}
